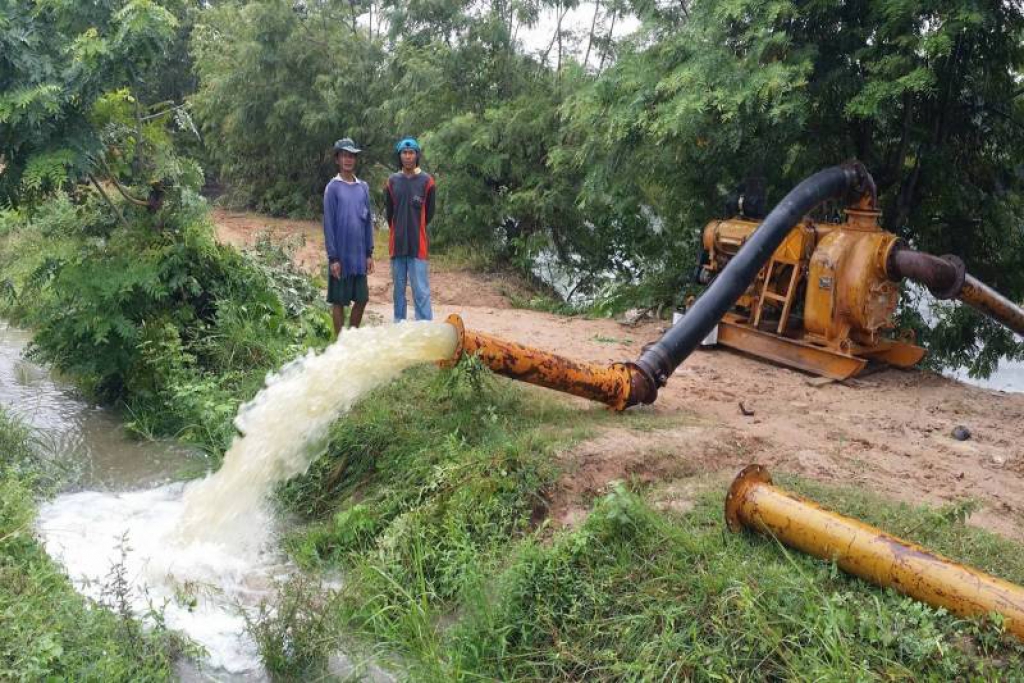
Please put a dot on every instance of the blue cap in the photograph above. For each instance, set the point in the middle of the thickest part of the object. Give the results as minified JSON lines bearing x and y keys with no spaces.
{"x":407,"y":143}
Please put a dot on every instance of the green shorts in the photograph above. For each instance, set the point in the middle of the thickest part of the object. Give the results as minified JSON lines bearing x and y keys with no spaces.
{"x":347,"y":289}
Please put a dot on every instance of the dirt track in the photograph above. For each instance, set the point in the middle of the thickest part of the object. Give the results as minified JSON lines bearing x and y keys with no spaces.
{"x":889,"y":432}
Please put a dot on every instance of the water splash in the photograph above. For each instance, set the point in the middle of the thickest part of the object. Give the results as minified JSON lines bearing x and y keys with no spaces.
{"x":198,"y":588}
{"x":286,"y":425}
{"x":209,"y":542}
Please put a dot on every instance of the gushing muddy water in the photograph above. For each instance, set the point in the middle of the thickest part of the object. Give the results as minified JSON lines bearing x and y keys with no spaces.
{"x":286,"y":424}
{"x":205,"y":550}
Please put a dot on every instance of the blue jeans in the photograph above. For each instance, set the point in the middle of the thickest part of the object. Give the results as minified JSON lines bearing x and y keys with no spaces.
{"x":413,"y":270}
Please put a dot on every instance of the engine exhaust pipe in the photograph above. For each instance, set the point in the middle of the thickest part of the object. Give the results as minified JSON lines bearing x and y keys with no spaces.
{"x":865,"y":551}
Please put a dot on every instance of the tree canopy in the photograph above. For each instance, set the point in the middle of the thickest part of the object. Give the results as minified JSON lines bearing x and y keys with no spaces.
{"x":604,"y":154}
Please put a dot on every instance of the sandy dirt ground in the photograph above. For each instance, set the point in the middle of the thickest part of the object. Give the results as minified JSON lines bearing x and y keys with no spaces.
{"x":889,"y":433}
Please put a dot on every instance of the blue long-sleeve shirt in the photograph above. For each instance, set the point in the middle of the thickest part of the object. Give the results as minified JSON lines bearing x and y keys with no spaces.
{"x":348,"y":225}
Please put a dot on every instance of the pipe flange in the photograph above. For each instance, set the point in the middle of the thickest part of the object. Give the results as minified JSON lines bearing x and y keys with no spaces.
{"x":460,"y":333}
{"x":748,"y":476}
{"x":889,"y":265}
{"x":642,"y":386}
{"x":886,"y":248}
{"x":958,"y":282}
{"x":658,"y":371}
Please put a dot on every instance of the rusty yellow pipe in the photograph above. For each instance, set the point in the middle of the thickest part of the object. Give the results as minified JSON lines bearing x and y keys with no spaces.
{"x":619,"y":385}
{"x":869,"y":553}
{"x":993,"y":304}
{"x":946,"y":278}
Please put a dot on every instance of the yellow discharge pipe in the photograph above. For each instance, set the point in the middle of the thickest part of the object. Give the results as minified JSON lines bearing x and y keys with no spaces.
{"x":753,"y":502}
{"x":618,"y":385}
{"x":992,"y":303}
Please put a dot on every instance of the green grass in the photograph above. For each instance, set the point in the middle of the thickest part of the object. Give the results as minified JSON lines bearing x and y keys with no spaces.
{"x":431,"y":501}
{"x":432,"y":445}
{"x":635,"y":594}
{"x":48,"y":632}
{"x":545,"y":303}
{"x":458,"y":257}
{"x":601,"y":339}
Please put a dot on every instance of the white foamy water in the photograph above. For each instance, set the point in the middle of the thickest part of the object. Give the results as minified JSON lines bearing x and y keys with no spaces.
{"x":201,"y":586}
{"x":287,"y":423}
{"x":206,"y":549}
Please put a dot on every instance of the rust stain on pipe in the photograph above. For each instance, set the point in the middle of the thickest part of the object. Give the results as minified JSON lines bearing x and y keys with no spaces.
{"x":865,"y":551}
{"x":943,"y":276}
{"x":993,"y":304}
{"x":619,"y":385}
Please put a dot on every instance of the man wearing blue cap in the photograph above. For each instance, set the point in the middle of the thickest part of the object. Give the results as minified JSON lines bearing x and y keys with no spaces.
{"x":409,"y":206}
{"x":348,"y":236}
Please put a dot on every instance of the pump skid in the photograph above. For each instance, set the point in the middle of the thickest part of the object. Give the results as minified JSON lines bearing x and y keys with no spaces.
{"x":815,"y":296}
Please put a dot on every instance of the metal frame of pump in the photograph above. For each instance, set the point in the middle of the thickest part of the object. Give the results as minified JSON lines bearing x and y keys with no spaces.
{"x":823,"y":302}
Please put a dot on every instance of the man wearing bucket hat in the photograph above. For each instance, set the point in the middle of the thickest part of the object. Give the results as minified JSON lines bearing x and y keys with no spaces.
{"x":409,"y":206}
{"x":348,"y":236}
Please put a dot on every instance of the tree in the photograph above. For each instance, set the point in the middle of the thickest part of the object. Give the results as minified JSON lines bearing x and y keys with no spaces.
{"x":278,"y":84}
{"x":709,"y":95}
{"x":62,"y":68}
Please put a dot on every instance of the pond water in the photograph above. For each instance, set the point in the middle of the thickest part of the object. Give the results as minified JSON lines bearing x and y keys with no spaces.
{"x":1009,"y":376}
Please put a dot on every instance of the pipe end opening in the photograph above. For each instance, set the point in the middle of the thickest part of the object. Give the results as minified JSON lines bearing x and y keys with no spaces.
{"x":748,"y":476}
{"x":460,"y":332}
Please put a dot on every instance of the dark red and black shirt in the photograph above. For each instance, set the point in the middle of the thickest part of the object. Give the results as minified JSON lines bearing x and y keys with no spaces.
{"x":409,"y":206}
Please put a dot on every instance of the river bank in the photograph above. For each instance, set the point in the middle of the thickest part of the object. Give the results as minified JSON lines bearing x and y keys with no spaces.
{"x":111,"y":509}
{"x":47,"y":630}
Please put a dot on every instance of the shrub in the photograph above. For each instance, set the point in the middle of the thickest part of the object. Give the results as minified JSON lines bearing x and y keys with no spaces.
{"x":294,"y":632}
{"x":167,"y":322}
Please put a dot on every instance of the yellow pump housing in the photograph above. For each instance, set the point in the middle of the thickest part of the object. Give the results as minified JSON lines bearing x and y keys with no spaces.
{"x":823,"y":303}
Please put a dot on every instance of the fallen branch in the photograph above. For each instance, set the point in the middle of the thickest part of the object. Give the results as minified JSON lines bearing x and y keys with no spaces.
{"x":106,"y":197}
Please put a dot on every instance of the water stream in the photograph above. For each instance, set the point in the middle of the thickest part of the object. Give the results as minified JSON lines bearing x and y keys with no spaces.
{"x":205,"y":550}
{"x":89,"y":438}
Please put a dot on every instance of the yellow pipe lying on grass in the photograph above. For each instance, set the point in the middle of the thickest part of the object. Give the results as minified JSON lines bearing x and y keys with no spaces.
{"x":753,"y":502}
{"x":618,"y":385}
